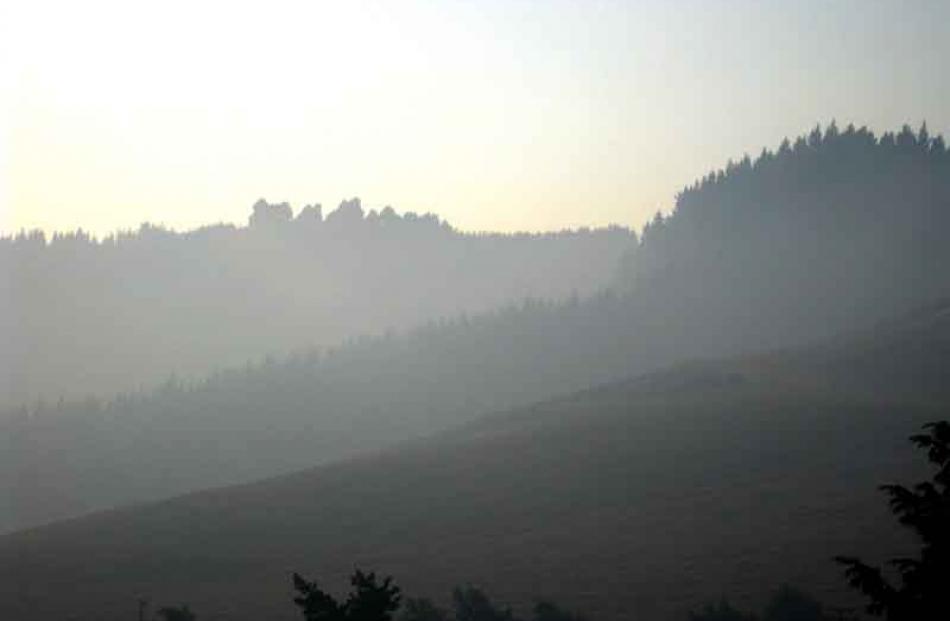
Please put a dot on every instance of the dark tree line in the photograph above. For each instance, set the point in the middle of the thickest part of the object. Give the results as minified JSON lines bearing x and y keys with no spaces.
{"x":370,"y":599}
{"x":373,"y":599}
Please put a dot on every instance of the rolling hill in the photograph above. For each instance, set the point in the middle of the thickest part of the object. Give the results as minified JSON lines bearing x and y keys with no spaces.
{"x":638,"y":499}
{"x":81,"y":316}
{"x":831,"y":234}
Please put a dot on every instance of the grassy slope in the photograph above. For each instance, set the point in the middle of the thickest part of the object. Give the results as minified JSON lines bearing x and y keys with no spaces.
{"x":635,"y":500}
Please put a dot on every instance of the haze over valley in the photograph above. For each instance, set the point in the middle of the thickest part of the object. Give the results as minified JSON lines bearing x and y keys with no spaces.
{"x":631,"y":311}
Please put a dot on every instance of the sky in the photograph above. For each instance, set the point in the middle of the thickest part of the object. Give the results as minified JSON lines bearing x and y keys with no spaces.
{"x":495,"y":114}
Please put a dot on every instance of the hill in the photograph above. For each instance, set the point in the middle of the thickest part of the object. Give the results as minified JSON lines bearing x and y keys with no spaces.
{"x":834,"y":231}
{"x":85,"y":317}
{"x":638,"y":499}
{"x":832,"y":234}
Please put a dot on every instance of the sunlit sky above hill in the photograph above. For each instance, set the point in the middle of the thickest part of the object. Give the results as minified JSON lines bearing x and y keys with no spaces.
{"x":494,"y":114}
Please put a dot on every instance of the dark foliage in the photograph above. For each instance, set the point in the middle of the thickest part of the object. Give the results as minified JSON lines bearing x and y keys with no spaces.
{"x":369,"y":600}
{"x":922,"y":590}
{"x":314,"y":603}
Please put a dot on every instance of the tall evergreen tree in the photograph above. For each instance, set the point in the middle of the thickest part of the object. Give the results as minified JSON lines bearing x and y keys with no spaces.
{"x":314,"y":603}
{"x":370,"y":599}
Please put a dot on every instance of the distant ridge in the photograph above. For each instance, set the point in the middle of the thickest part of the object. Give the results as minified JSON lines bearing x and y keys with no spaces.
{"x":87,"y":317}
{"x":832,"y":233}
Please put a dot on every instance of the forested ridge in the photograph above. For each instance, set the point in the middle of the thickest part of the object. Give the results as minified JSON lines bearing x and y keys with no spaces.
{"x":82,"y":316}
{"x":835,"y":231}
{"x":837,"y":228}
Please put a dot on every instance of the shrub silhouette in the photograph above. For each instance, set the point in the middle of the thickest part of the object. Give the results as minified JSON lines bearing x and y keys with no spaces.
{"x":369,"y":600}
{"x":922,"y":593}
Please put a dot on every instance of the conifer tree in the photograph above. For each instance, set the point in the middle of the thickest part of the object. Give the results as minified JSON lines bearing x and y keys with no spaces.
{"x":922,"y":592}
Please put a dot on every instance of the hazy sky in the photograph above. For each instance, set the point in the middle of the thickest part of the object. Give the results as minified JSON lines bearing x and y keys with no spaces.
{"x":494,"y":114}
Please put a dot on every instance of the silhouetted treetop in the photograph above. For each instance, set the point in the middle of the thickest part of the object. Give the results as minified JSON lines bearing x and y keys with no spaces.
{"x":921,"y":592}
{"x":270,"y":215}
{"x":314,"y":603}
{"x":369,"y":599}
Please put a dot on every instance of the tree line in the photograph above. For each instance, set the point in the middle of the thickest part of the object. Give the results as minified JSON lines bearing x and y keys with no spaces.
{"x":83,"y":316}
{"x":833,"y":232}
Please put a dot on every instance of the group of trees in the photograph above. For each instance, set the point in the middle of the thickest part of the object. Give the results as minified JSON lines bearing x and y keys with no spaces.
{"x":84,"y":316}
{"x":833,"y":232}
{"x":370,"y":599}
{"x":789,"y":244}
{"x":379,"y":599}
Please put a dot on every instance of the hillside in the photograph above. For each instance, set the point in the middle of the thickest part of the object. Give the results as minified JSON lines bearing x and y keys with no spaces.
{"x":835,"y":230}
{"x":82,"y":316}
{"x":638,"y":499}
{"x":832,"y":234}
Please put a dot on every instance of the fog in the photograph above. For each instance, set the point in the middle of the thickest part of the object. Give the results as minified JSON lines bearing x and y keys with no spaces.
{"x":87,"y":317}
{"x":383,"y":328}
{"x":502,"y":310}
{"x":683,"y":422}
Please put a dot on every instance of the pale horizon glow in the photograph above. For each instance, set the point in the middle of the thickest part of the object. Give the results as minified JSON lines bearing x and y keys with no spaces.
{"x":495,"y":115}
